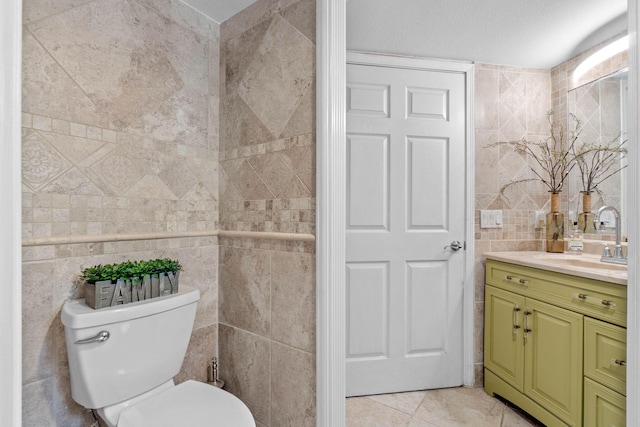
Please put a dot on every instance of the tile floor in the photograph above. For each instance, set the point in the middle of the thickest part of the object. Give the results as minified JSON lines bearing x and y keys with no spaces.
{"x":451,"y":407}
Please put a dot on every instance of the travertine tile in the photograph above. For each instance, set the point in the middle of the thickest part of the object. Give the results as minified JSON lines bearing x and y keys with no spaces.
{"x":48,"y":90}
{"x":245,"y":368}
{"x":302,"y":15}
{"x":406,"y":402}
{"x":293,"y":384}
{"x":271,"y":90}
{"x":245,"y":289}
{"x":38,"y":9}
{"x":293,"y":300}
{"x":40,"y":162}
{"x":37,"y":403}
{"x":202,"y":347}
{"x":37,"y":317}
{"x":364,"y":412}
{"x":460,"y":406}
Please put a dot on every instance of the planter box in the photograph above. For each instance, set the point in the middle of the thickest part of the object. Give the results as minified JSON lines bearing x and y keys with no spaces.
{"x":108,"y":294}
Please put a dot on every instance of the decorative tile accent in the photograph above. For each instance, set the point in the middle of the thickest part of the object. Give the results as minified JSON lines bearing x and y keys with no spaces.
{"x":40,"y":162}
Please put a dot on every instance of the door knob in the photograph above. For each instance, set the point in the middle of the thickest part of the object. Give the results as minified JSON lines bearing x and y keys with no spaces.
{"x":455,"y":246}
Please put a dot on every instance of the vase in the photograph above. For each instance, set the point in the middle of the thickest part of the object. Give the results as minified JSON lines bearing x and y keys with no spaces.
{"x":586,"y":219}
{"x":555,"y":226}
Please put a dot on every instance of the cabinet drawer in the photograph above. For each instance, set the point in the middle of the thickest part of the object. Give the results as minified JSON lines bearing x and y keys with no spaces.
{"x":605,"y":349}
{"x":601,"y":300}
{"x":602,"y":406}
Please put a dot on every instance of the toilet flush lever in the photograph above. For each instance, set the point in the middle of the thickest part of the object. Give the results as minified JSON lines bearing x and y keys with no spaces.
{"x":101,"y":337}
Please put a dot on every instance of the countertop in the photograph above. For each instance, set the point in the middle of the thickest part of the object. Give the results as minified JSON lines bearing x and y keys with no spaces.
{"x":585,"y":265}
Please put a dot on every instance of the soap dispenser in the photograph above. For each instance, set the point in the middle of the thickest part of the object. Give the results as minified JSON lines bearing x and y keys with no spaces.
{"x":575,"y":240}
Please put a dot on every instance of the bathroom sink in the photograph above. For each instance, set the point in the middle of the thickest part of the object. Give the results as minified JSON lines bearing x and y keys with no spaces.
{"x":587,"y":265}
{"x":581,"y":261}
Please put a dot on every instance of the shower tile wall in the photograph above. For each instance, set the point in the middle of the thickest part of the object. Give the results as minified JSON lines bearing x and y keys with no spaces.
{"x":267,"y":183}
{"x":510,"y":103}
{"x":120,"y":137}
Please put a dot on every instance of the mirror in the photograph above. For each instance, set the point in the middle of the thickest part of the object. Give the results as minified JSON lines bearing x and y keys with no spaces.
{"x":601,"y":108}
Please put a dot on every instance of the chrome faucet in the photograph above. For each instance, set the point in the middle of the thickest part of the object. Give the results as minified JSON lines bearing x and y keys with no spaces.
{"x":617,"y":257}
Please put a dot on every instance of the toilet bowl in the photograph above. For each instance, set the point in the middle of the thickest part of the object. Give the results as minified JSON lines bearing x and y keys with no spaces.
{"x":192,"y":404}
{"x":122,"y":361}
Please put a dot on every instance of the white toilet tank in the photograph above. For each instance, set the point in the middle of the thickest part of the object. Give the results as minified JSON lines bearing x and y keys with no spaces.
{"x":146,"y":346}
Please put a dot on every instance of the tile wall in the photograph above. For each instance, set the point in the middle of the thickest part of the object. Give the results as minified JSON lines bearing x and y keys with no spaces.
{"x":510,"y":103}
{"x":120,"y":145}
{"x":267,"y":173}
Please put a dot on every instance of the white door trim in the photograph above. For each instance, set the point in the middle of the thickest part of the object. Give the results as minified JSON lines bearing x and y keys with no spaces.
{"x":10,"y":217}
{"x":633,"y":197}
{"x":330,"y":194}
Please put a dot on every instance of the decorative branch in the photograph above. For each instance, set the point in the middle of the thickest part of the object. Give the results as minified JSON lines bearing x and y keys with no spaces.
{"x":553,"y":155}
{"x":598,"y":162}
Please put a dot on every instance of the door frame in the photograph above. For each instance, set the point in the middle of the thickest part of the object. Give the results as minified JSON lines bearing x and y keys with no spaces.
{"x":10,"y":214}
{"x":330,"y":211}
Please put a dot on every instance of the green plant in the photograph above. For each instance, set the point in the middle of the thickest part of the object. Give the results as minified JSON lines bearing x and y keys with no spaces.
{"x":129,"y":270}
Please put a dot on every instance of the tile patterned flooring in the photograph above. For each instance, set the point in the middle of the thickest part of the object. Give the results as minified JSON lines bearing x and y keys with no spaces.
{"x":451,"y":407}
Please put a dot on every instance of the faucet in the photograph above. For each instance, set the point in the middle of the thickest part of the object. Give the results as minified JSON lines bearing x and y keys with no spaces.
{"x":617,"y":257}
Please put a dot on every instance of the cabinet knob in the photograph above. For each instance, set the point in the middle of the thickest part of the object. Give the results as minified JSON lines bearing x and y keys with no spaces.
{"x":619,"y":362}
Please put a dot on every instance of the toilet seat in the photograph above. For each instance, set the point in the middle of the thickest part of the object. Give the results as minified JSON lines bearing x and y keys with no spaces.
{"x":190,"y":403}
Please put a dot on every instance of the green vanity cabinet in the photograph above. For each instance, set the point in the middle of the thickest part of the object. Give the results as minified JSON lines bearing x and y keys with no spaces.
{"x":537,"y":350}
{"x":547,"y":335}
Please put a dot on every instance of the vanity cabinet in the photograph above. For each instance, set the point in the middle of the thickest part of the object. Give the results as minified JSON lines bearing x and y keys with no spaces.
{"x":547,"y":335}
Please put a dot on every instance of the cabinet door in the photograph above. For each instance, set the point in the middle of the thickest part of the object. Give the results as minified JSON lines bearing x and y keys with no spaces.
{"x":503,"y":344}
{"x":605,"y":352}
{"x":553,"y":359}
{"x":602,"y":406}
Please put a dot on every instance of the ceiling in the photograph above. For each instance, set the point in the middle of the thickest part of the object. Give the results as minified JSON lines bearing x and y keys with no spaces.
{"x":526,"y":33}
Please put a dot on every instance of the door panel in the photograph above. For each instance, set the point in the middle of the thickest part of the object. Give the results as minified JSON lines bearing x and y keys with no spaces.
{"x":368,"y":182}
{"x":427,"y":204}
{"x":367,"y":301}
{"x":406,"y":131}
{"x":426,"y":289}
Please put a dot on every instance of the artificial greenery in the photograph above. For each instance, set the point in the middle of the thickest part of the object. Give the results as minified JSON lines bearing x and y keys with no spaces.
{"x":129,"y":270}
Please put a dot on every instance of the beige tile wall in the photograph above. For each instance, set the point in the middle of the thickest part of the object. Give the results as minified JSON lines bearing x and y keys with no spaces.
{"x":510,"y":103}
{"x":120,"y":136}
{"x":267,"y":183}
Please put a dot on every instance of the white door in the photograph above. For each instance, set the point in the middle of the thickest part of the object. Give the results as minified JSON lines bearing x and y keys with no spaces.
{"x":405,"y":147}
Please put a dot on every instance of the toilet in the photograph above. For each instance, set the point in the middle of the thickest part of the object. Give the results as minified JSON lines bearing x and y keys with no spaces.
{"x":123,"y":359}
